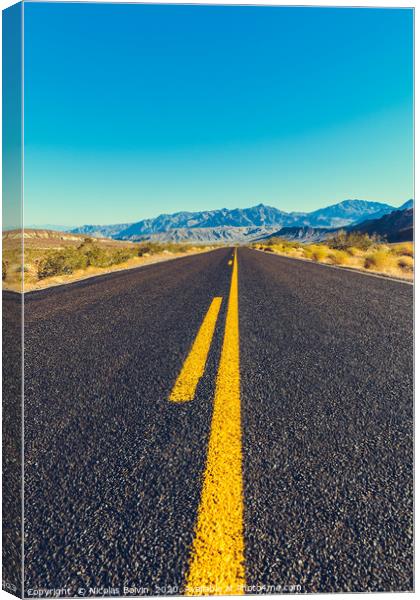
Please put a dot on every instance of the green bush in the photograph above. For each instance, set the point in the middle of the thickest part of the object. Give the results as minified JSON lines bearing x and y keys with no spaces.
{"x":92,"y":254}
{"x":121,"y":256}
{"x":61,"y":262}
{"x":171,"y":247}
{"x":98,"y":257}
{"x":150,"y":248}
{"x":144,"y":248}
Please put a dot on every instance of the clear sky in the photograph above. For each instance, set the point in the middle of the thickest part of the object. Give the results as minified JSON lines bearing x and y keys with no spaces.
{"x":134,"y":110}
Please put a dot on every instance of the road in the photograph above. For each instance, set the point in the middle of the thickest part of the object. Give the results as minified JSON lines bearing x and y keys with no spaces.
{"x":270,"y":445}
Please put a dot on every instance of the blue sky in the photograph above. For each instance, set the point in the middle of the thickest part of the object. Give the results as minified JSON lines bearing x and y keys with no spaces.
{"x":134,"y":110}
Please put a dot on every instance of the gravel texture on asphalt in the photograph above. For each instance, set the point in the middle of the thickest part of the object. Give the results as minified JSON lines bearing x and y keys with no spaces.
{"x":326,"y":369}
{"x":12,"y":443}
{"x":114,"y":470}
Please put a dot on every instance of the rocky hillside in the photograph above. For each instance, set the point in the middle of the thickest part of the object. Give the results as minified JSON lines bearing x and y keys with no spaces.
{"x":301,"y":234}
{"x":395,"y":227}
{"x":40,"y":234}
{"x":204,"y":235}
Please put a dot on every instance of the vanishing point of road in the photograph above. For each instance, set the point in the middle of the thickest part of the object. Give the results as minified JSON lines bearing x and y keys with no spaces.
{"x":227,"y":422}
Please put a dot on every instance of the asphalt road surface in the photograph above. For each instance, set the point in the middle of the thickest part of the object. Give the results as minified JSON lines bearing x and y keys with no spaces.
{"x":289,"y":467}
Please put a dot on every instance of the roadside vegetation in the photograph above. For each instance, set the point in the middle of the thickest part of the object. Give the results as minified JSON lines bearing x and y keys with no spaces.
{"x":51,"y":260}
{"x":91,"y":254}
{"x":351,"y":250}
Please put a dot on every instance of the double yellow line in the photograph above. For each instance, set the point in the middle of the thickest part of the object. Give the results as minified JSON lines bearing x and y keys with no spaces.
{"x":217,"y":555}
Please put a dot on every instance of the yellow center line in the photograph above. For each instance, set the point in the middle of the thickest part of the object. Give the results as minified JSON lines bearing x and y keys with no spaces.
{"x":193,"y":368}
{"x":217,"y":557}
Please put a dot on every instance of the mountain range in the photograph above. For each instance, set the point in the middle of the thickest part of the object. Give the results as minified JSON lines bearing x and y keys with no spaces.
{"x":396,"y":226}
{"x":240,"y":224}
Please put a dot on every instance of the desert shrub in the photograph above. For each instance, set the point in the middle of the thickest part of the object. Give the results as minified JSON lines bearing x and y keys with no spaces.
{"x":353,"y":251}
{"x":98,"y":257}
{"x":287,"y":248}
{"x":95,"y":254}
{"x":403,"y":249}
{"x":342,"y":240}
{"x":307,"y":251}
{"x":293,"y":252}
{"x":61,"y":262}
{"x":87,"y":244}
{"x":3,"y":270}
{"x":149,"y":248}
{"x":176,"y":247}
{"x":337,"y":240}
{"x":379,"y":260}
{"x":339,"y":257}
{"x":319,"y":253}
{"x":289,"y":245}
{"x":121,"y":256}
{"x":268,"y":249}
{"x":65,"y":262}
{"x":280,"y":244}
{"x":272,"y":241}
{"x":406,"y":263}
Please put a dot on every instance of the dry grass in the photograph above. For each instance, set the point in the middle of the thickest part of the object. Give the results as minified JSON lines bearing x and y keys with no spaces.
{"x":406,"y":249}
{"x":394,"y":260}
{"x":320,"y":253}
{"x":353,"y":251}
{"x":339,"y":257}
{"x":380,"y":260}
{"x":406,"y":263}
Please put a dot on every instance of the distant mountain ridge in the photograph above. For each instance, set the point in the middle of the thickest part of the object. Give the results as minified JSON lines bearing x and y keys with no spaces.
{"x":239,"y":224}
{"x":408,"y":204}
{"x":396,"y":226}
{"x":100,"y":230}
